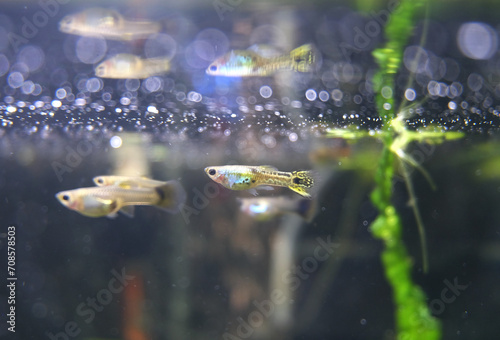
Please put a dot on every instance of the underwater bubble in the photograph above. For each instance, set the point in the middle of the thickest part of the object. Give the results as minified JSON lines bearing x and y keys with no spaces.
{"x":311,"y":95}
{"x":160,"y":45}
{"x":56,"y":103}
{"x":199,"y":53}
{"x":4,"y":64}
{"x":266,"y":91}
{"x":28,"y":87}
{"x":152,"y":109}
{"x":363,"y":322}
{"x":132,"y":84}
{"x":115,"y":142}
{"x":477,"y":40}
{"x":386,"y":92}
{"x":94,"y":84}
{"x":452,"y":105}
{"x":153,"y":84}
{"x":324,"y":96}
{"x":475,"y":82}
{"x":452,"y":69}
{"x":15,"y":80}
{"x":455,"y":89}
{"x":90,"y":50}
{"x":268,"y":141}
{"x":194,"y":96}
{"x":410,"y":94}
{"x":337,"y":95}
{"x":31,"y":56}
{"x":61,"y":93}
{"x":415,"y":59}
{"x":217,"y":39}
{"x":293,"y":137}
{"x":80,"y":102}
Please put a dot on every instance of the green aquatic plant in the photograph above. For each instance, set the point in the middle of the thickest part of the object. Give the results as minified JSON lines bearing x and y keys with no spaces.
{"x":413,"y":318}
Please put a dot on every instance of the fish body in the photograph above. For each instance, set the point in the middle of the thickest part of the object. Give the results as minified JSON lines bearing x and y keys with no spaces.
{"x":129,"y":66}
{"x":247,"y":63}
{"x":267,"y":208}
{"x":128,"y":182}
{"x":243,"y":177}
{"x":110,"y":24}
{"x":108,"y":200}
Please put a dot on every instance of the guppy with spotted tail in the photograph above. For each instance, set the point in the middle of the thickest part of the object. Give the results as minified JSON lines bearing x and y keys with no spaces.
{"x":242,"y":177}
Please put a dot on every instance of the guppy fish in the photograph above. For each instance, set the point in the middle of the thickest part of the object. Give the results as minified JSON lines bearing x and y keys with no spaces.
{"x":242,"y":177}
{"x":107,"y":23}
{"x":128,"y":182}
{"x":129,"y":66}
{"x":247,"y":63}
{"x":107,"y":201}
{"x":267,"y":208}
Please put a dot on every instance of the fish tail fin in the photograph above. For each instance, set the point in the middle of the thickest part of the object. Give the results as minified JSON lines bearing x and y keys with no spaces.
{"x":306,"y":208}
{"x":303,"y":183}
{"x":172,"y":196}
{"x":303,"y":58}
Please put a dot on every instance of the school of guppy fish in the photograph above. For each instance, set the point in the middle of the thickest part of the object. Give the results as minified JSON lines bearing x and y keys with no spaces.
{"x":109,"y":24}
{"x":120,"y":194}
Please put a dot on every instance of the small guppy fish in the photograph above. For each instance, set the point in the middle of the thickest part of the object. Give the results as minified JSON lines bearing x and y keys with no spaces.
{"x":267,"y":208}
{"x":247,"y":63}
{"x":242,"y":177}
{"x":107,"y":23}
{"x":108,"y":200}
{"x":127,"y":182}
{"x":129,"y":66}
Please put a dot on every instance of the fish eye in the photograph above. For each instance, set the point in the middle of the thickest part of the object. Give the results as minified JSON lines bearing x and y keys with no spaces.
{"x":212,"y":172}
{"x":100,"y":181}
{"x":65,"y":198}
{"x":213,"y":68}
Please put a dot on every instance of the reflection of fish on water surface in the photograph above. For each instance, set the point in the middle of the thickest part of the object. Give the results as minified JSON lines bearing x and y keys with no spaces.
{"x":129,"y":66}
{"x":242,"y":177}
{"x":250,"y":62}
{"x":108,"y":200}
{"x":108,"y":24}
{"x":267,"y":208}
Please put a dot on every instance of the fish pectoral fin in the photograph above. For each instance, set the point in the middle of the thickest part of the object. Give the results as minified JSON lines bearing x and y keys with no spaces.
{"x":253,"y":192}
{"x":128,"y":210}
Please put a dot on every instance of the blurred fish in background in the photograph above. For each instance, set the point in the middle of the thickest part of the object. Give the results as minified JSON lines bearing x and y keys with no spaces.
{"x":258,"y":61}
{"x":107,"y":23}
{"x":129,"y":66}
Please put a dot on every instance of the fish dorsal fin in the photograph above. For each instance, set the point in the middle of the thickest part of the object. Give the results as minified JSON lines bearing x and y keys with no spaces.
{"x":269,"y":167}
{"x":265,"y":51}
